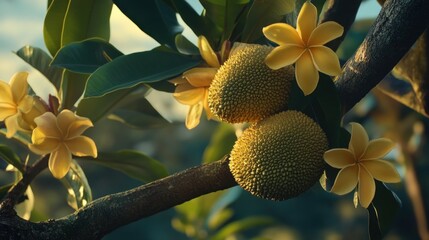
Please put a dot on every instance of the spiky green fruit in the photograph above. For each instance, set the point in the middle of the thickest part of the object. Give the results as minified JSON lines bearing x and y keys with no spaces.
{"x":245,"y":89}
{"x":279,"y":157}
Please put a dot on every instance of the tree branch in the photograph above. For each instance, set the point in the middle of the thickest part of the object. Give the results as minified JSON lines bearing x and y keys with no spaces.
{"x":110,"y":212}
{"x":394,"y":31}
{"x":343,"y":12}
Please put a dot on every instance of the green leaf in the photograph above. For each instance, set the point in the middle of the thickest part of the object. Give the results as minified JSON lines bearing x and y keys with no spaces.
{"x":185,"y":46}
{"x":154,"y":17}
{"x":136,"y":111}
{"x":41,"y":61}
{"x":220,"y":144}
{"x":136,"y":68}
{"x":189,"y":16}
{"x":95,"y":108}
{"x":10,"y":157}
{"x":382,"y":211}
{"x":135,"y":164}
{"x":72,"y":88}
{"x":242,"y":225}
{"x":326,"y":104}
{"x":71,"y":21}
{"x":230,"y":196}
{"x":86,"y":56}
{"x":263,"y":13}
{"x":78,"y":190}
{"x":219,"y":218}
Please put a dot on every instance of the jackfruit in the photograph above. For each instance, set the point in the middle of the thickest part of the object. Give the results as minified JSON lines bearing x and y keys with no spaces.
{"x":279,"y":157}
{"x":245,"y":89}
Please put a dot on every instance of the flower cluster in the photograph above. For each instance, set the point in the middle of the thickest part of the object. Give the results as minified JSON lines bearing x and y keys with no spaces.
{"x":59,"y":136}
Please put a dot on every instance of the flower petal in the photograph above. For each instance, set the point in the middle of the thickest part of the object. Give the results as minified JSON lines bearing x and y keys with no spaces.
{"x":72,"y":125}
{"x":6,"y":93}
{"x":306,"y":74}
{"x":200,"y":77}
{"x":194,"y":115}
{"x":44,"y":145}
{"x":12,"y":125}
{"x":325,"y":33}
{"x":59,"y":161}
{"x":346,"y":180}
{"x":178,"y":80}
{"x":282,"y":33}
{"x":207,"y":52}
{"x":307,"y":20}
{"x":382,"y":170}
{"x":188,"y":94}
{"x":19,"y":86}
{"x":283,"y":56}
{"x":325,"y":60}
{"x":378,"y":148}
{"x":82,"y":146}
{"x":366,"y":188}
{"x":6,"y":110}
{"x":339,"y":157}
{"x":359,"y":140}
{"x":47,"y":123}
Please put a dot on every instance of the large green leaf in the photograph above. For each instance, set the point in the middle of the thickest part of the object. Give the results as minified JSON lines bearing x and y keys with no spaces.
{"x":136,"y":111}
{"x":70,"y":21}
{"x":78,"y":190}
{"x":382,"y":211}
{"x":41,"y":61}
{"x":135,"y":164}
{"x":189,"y":16}
{"x":72,"y":87}
{"x":242,"y":225}
{"x":220,"y":144}
{"x":10,"y":157}
{"x":143,"y":67}
{"x":86,"y":56}
{"x":95,"y":108}
{"x":154,"y":17}
{"x":263,"y":13}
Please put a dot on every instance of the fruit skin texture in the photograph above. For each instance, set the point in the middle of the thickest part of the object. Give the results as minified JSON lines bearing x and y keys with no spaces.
{"x":245,"y":89}
{"x":279,"y":157}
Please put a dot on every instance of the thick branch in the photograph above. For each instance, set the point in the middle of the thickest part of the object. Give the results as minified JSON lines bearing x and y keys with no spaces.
{"x":110,"y":212}
{"x":395,"y":30}
{"x":343,"y":12}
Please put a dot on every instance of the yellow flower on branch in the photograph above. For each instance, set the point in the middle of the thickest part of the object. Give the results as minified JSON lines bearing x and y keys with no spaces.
{"x":192,"y":87}
{"x":17,"y":108}
{"x":304,"y":47}
{"x":61,"y":137}
{"x":360,"y":164}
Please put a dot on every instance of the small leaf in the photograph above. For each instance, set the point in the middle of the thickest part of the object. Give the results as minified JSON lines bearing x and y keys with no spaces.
{"x":86,"y":56}
{"x":130,"y":70}
{"x":185,"y":46}
{"x":242,"y":225}
{"x":72,"y":88}
{"x":220,"y":144}
{"x":153,"y":17}
{"x":78,"y":190}
{"x":135,"y":164}
{"x":263,"y":13}
{"x":41,"y":61}
{"x":10,"y":157}
{"x":225,"y":200}
{"x":382,"y":211}
{"x":219,"y":218}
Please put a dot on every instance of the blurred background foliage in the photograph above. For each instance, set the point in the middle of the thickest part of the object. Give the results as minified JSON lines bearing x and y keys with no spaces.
{"x":234,"y":213}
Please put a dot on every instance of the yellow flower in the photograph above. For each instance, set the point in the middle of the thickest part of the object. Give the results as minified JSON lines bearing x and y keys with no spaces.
{"x":304,"y":47}
{"x":61,"y":137}
{"x":18,"y":109}
{"x":360,"y":164}
{"x":192,"y":87}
